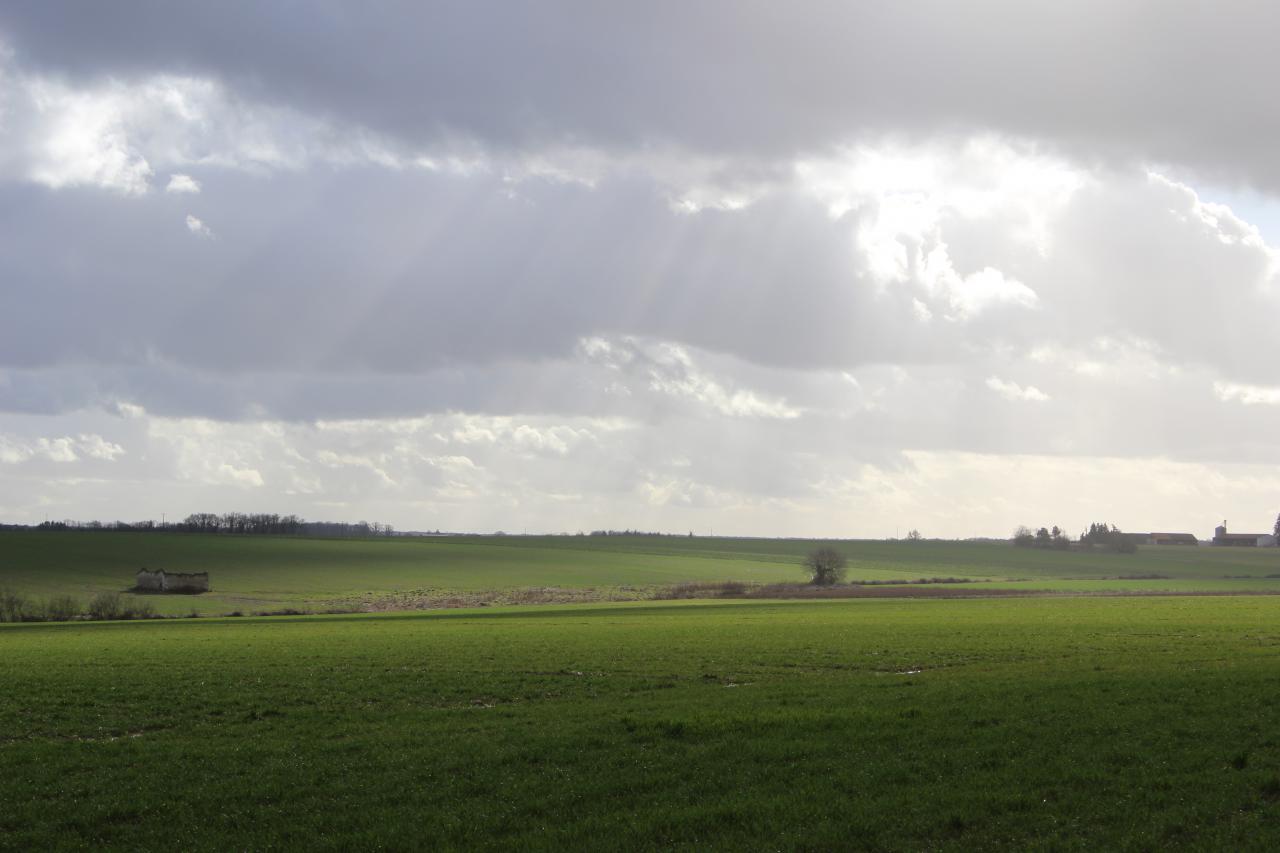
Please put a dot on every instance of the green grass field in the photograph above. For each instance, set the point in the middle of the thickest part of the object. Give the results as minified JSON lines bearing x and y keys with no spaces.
{"x":262,"y":573}
{"x":1076,"y":723}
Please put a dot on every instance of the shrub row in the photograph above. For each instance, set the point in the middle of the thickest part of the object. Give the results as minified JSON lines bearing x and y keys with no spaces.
{"x":16,"y":607}
{"x":705,"y":589}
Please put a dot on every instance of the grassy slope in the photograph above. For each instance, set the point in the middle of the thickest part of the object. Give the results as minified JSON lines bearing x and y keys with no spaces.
{"x":961,"y":559}
{"x":1059,"y":723}
{"x":260,"y":572}
{"x":249,"y":572}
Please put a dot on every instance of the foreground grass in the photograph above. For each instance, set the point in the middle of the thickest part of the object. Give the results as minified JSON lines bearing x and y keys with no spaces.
{"x":252,"y":573}
{"x":1050,"y":723}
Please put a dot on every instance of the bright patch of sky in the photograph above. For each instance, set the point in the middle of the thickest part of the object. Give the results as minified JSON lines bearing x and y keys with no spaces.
{"x":1260,"y":210}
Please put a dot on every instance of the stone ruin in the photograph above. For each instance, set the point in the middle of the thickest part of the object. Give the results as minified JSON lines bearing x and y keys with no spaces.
{"x":173,"y":582}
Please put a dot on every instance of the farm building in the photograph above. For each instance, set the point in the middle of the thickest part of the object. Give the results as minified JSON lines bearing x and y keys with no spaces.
{"x":174,"y":582}
{"x":1173,"y":539}
{"x":1240,"y":540}
{"x":1160,"y":538}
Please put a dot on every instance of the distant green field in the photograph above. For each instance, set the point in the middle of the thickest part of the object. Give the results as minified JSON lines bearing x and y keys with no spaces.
{"x":252,"y":572}
{"x":1054,"y":724}
{"x":255,"y":573}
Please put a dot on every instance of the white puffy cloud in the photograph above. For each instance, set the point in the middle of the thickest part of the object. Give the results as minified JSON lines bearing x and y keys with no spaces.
{"x":1014,"y":391}
{"x":230,"y":474}
{"x":182,"y":184}
{"x":81,"y":139}
{"x":1249,"y":395}
{"x":197,"y":227}
{"x":117,"y":133}
{"x":14,"y":450}
{"x":669,"y":369}
{"x":97,"y":447}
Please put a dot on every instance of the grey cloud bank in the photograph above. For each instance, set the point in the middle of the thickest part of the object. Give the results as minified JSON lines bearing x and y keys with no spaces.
{"x":776,"y":268}
{"x":1185,"y":83}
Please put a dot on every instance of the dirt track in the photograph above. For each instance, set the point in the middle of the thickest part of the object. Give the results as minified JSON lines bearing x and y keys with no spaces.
{"x":779,"y":592}
{"x":922,"y":591}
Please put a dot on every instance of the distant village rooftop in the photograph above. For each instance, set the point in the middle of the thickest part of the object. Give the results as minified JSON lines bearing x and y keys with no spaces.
{"x":1162,"y":538}
{"x":1222,"y":538}
{"x":1173,"y":539}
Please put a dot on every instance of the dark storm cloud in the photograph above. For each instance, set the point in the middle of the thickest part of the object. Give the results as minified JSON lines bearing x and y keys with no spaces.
{"x":1187,"y":83}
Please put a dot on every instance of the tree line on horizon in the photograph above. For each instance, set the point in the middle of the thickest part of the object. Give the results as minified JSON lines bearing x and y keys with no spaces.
{"x":233,"y":523}
{"x":1100,"y":535}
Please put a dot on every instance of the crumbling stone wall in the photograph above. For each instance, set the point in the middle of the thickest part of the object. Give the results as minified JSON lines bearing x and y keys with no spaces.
{"x":186,"y":583}
{"x":148,"y":581}
{"x":174,"y":582}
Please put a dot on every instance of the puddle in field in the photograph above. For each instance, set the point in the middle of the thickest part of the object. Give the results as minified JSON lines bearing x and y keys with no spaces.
{"x":909,"y":672}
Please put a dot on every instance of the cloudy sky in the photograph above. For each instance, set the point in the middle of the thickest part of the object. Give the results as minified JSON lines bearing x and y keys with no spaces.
{"x":764,"y":268}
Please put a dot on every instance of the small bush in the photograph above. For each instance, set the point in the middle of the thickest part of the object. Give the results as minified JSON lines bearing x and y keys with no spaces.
{"x":906,"y":581}
{"x":14,"y":607}
{"x":705,"y":589}
{"x":826,"y":566}
{"x":106,"y":605}
{"x":139,"y":610}
{"x":61,"y":608}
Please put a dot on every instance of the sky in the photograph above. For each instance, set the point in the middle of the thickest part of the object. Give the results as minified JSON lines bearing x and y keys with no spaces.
{"x":752,"y":268}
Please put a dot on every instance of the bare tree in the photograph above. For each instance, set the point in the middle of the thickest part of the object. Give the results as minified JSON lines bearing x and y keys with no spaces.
{"x":825,"y":566}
